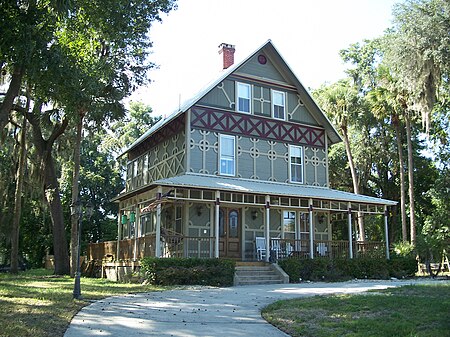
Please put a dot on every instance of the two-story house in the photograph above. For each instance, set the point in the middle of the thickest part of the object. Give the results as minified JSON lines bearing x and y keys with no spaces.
{"x":239,"y":170}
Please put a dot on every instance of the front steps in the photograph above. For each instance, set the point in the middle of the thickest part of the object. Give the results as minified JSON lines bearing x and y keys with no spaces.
{"x":252,"y":273}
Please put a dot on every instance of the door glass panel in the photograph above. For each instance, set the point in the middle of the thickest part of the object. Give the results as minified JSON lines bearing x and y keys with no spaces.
{"x":221,"y":220}
{"x":233,"y":223}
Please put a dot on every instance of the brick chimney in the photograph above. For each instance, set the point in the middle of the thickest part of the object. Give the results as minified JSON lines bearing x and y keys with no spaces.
{"x":227,"y":50}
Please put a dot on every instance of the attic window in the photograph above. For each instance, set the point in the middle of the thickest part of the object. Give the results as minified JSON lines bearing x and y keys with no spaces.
{"x":262,"y":59}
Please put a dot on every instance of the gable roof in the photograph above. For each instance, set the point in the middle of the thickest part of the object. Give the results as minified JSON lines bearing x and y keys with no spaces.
{"x":269,"y":49}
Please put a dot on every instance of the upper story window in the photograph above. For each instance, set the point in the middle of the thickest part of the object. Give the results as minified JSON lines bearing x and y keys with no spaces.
{"x":278,"y":104}
{"x":227,"y":155}
{"x":296,"y":163}
{"x":243,"y":97}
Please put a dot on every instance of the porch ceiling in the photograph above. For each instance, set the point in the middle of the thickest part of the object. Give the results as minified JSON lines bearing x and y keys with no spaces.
{"x":200,"y":181}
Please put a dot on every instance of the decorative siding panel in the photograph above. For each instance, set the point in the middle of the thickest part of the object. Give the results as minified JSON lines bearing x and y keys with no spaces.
{"x":315,"y":167}
{"x":162,"y":161}
{"x":222,"y":96}
{"x":252,"y":126}
{"x":297,"y":112}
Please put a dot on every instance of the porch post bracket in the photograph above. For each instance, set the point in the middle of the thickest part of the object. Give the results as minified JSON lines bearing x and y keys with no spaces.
{"x":267,"y":227}
{"x":386,"y":231}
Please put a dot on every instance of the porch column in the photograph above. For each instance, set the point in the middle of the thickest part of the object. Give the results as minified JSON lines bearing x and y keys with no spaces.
{"x":119,"y":233}
{"x":386,"y":232}
{"x":350,"y":243}
{"x":311,"y":230}
{"x":267,"y":228}
{"x":216,"y":227}
{"x":158,"y":223}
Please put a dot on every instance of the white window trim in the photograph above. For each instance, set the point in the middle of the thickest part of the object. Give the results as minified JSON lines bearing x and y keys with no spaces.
{"x":250,"y":98}
{"x":273,"y":104}
{"x":303,"y":165}
{"x":221,"y":136}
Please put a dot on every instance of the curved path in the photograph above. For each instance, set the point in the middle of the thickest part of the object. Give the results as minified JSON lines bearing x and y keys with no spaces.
{"x":202,"y":311}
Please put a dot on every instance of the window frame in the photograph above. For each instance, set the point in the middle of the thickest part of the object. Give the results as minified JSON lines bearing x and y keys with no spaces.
{"x":249,"y":98}
{"x":273,"y":92}
{"x":221,"y":137}
{"x":302,"y":164}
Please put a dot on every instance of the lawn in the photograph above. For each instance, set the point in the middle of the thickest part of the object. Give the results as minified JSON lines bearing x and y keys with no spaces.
{"x":36,"y":303}
{"x":420,"y":310}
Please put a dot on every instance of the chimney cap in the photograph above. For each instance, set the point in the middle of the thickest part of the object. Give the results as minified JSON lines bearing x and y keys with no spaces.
{"x":224,"y":45}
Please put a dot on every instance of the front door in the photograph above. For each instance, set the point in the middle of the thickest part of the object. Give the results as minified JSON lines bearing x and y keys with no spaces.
{"x":229,"y":231}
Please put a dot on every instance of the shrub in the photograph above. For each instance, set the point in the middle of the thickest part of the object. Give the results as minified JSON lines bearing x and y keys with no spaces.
{"x":324,"y":269}
{"x":191,"y":271}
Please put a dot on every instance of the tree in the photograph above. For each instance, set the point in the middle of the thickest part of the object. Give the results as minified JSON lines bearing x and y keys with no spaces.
{"x":341,"y":102}
{"x":383,"y":104}
{"x":417,"y":50}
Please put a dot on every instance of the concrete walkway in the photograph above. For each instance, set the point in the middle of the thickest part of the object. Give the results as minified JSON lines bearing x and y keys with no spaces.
{"x":202,"y":311}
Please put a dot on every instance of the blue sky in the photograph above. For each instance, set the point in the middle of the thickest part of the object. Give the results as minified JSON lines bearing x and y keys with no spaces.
{"x":308,"y":34}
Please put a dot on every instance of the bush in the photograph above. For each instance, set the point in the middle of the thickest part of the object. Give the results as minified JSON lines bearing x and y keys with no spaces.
{"x":191,"y":271}
{"x":324,"y":269}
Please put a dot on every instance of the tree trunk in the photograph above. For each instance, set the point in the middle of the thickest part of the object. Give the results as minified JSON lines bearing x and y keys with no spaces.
{"x":75,"y":196}
{"x":18,"y":200}
{"x":362,"y":231}
{"x":51,"y":188}
{"x":412,"y":217}
{"x":52,"y":195}
{"x":11,"y":94}
{"x":402,"y":180}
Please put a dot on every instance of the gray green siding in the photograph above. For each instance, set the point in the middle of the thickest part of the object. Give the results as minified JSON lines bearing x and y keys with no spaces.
{"x":256,"y":159}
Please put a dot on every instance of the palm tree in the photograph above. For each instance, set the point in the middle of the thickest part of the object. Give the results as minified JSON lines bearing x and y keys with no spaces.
{"x":342,"y":104}
{"x":384,"y":105}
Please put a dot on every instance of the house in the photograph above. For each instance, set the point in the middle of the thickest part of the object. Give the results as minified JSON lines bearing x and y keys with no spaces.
{"x":239,"y":171}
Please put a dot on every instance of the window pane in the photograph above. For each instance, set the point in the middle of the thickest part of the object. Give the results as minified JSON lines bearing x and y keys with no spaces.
{"x":244,"y":90}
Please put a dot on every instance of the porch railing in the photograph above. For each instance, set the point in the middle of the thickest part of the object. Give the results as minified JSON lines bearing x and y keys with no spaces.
{"x":203,"y":247}
{"x":135,"y":249}
{"x":284,"y":248}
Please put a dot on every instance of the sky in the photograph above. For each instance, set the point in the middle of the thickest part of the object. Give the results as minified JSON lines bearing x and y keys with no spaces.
{"x":307,"y":33}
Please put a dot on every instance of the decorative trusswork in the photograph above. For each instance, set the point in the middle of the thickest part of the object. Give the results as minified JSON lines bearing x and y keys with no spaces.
{"x":252,"y":126}
{"x":170,"y":129}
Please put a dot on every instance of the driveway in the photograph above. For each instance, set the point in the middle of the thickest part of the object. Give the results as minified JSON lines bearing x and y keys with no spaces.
{"x":202,"y":311}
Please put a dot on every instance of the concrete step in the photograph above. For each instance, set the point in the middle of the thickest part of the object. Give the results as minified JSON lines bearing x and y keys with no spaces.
{"x":259,"y":274}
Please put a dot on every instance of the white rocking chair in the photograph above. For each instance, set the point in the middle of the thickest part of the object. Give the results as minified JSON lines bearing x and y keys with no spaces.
{"x":260,"y":243}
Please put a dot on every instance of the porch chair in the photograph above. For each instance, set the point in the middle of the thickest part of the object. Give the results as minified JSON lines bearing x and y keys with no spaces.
{"x":260,"y":244}
{"x":322,"y":248}
{"x":276,"y":247}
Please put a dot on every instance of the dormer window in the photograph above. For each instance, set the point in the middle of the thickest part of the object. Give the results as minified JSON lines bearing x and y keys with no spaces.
{"x":278,"y":104}
{"x":243,"y":97}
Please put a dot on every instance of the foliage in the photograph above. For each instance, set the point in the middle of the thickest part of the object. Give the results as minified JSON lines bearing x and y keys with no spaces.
{"x":193,"y":271}
{"x":325,"y":269}
{"x":29,"y":300}
{"x":404,"y":311}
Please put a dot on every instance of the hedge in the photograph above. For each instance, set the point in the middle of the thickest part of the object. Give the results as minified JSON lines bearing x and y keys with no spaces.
{"x":325,"y":269}
{"x":188,"y":271}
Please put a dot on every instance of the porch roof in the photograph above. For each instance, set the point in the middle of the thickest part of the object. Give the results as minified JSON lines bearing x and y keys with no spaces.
{"x":240,"y":185}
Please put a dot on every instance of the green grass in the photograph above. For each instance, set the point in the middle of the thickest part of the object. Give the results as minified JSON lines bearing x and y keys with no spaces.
{"x":407,"y":311}
{"x":35,"y":303}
